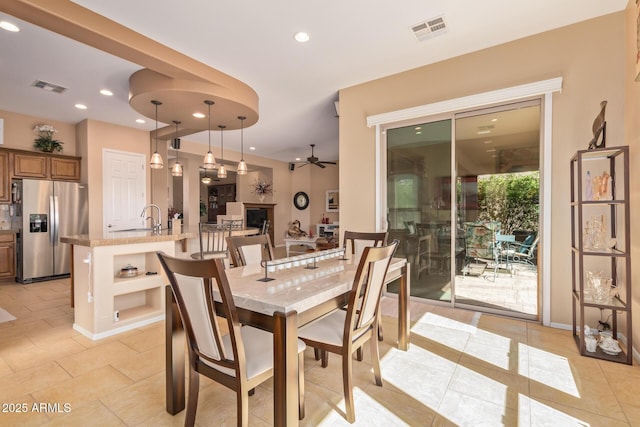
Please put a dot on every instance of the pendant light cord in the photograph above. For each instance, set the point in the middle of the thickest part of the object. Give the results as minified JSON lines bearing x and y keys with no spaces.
{"x":242,"y":137}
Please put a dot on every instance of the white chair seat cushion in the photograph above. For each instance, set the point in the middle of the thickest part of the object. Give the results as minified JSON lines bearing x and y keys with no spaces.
{"x":328,"y":329}
{"x":258,"y":349}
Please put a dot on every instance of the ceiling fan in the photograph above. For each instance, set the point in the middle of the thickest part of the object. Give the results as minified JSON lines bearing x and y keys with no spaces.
{"x":313,"y":160}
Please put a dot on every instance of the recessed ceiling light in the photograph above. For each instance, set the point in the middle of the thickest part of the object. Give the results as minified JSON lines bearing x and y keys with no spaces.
{"x":80,"y":106}
{"x":418,"y":128}
{"x":301,"y":37}
{"x":106,"y":92}
{"x":297,"y":159}
{"x":484,"y":132}
{"x":252,"y":148}
{"x":198,"y":115}
{"x":140,"y":121}
{"x":494,"y":120}
{"x":491,"y":150}
{"x":9,"y":26}
{"x":418,"y":132}
{"x":488,"y":141}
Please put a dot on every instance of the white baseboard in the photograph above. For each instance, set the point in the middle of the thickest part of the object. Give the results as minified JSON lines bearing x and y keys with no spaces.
{"x":119,"y":330}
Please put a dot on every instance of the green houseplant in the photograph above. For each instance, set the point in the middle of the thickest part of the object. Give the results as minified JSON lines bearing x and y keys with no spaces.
{"x":45,"y":142}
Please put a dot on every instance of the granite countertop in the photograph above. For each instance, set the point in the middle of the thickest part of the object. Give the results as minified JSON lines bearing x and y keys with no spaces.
{"x":129,"y":237}
{"x":141,"y":236}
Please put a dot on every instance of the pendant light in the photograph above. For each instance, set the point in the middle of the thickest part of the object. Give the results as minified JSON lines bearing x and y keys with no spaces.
{"x":176,"y":170}
{"x":209,"y":160}
{"x":205,"y":179}
{"x":156,"y":158}
{"x":242,"y":166}
{"x":222,"y":171}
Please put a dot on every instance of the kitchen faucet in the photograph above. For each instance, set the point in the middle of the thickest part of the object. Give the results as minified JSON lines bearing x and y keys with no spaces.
{"x":156,"y":227}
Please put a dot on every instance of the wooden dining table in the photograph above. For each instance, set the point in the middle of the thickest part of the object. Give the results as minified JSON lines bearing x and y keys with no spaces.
{"x":296,"y":297}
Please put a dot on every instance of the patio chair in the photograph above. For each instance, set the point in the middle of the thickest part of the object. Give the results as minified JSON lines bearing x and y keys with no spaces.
{"x":523,"y":253}
{"x":481,"y":248}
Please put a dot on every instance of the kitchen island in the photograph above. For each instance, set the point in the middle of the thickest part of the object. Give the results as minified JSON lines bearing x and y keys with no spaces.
{"x":117,"y":282}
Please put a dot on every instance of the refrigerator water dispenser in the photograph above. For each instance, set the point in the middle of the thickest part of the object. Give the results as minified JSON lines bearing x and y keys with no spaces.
{"x":38,"y":223}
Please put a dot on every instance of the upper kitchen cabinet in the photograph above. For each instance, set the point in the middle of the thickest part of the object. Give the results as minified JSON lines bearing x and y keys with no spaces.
{"x":65,"y":168}
{"x":5,"y":190}
{"x":27,"y":165}
{"x":34,"y":165}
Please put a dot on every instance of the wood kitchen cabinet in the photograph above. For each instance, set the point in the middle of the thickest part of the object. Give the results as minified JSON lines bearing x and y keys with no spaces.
{"x":5,"y":181}
{"x":65,"y":168}
{"x":30,"y":166}
{"x":35,"y":165}
{"x":7,"y":256}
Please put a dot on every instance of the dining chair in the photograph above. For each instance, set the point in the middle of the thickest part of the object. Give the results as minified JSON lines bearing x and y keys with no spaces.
{"x":212,"y":241}
{"x":265,"y":227}
{"x":241,"y":359}
{"x":358,"y":240}
{"x":343,"y":332}
{"x":249,"y":250}
{"x":234,"y":224}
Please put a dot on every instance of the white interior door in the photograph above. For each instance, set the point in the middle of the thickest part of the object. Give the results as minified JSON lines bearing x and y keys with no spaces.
{"x":124,"y":192}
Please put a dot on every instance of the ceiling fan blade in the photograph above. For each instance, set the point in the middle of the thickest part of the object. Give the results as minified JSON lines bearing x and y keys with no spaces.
{"x":319,"y":164}
{"x":328,"y":163}
{"x":304,"y":164}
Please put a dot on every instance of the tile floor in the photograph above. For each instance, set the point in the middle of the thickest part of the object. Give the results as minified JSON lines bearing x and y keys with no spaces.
{"x":463,"y":368}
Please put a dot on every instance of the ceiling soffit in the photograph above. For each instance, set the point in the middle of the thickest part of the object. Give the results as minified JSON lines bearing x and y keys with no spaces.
{"x":181,"y":83}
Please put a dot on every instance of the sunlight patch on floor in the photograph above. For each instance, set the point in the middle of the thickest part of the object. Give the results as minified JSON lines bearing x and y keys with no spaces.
{"x":369,"y":412}
{"x":542,"y":414}
{"x":419,"y":373}
{"x":550,"y":369}
{"x":445,"y":331}
{"x":490,"y":347}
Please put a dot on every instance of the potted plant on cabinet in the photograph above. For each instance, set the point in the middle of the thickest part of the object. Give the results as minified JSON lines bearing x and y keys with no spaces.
{"x":45,"y":142}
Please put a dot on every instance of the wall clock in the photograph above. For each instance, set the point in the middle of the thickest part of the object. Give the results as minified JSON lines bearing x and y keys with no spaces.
{"x":301,"y":200}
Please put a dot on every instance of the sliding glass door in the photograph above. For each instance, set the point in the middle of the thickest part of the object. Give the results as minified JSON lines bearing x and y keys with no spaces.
{"x":419,"y":203}
{"x":497,"y":164}
{"x":463,"y":200}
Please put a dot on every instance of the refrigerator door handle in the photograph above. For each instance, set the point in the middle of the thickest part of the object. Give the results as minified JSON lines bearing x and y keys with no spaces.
{"x":55,"y":219}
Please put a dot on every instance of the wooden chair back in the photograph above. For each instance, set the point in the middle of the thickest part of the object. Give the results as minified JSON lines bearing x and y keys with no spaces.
{"x":194,"y":284}
{"x":359,"y":240}
{"x":364,"y":299}
{"x":249,"y":250}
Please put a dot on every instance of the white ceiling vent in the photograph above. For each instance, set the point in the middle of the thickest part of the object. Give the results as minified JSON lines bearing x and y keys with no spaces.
{"x":429,"y":28}
{"x":49,"y":87}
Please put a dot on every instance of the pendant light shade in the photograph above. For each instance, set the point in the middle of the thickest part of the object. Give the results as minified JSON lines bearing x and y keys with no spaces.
{"x":205,"y":179}
{"x":176,"y":170}
{"x":156,"y":158}
{"x":209,"y":159}
{"x":242,"y":166}
{"x":222,"y":171}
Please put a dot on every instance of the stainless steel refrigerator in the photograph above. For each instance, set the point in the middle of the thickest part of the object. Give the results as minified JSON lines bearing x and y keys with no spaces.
{"x":49,"y":210}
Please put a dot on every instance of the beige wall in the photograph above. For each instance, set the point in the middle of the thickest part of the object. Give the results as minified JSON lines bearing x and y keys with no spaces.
{"x":18,"y":132}
{"x":315,"y":182}
{"x":632,"y":138}
{"x":95,"y":137}
{"x":589,"y":56}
